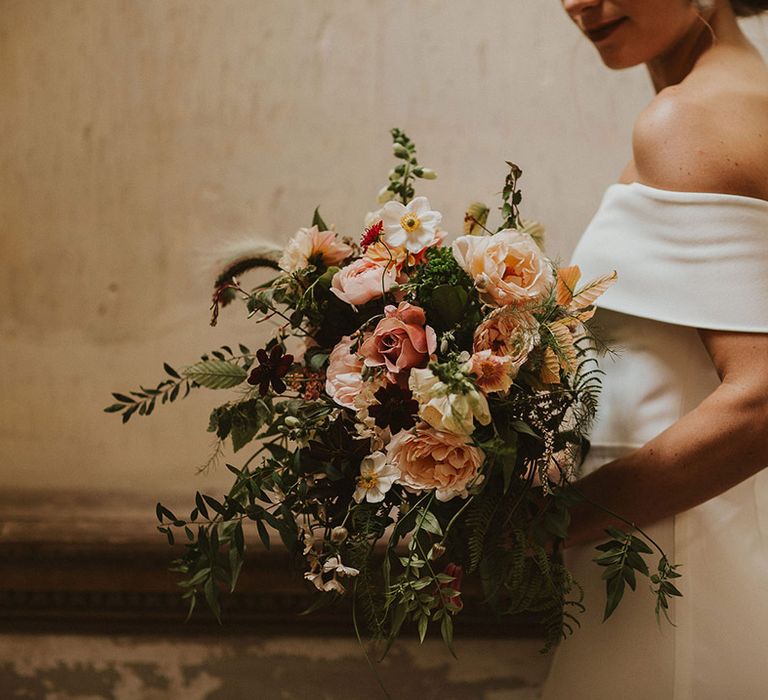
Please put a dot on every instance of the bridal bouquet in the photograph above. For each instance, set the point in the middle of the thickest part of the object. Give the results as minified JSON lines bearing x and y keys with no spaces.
{"x":416,"y":418}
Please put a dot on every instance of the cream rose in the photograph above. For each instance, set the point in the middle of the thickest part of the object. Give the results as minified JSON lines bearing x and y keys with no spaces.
{"x":446,"y":410}
{"x":507,"y":267}
{"x":432,"y":459}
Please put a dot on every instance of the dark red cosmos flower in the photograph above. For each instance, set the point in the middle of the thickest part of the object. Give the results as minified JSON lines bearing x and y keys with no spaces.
{"x":371,"y":234}
{"x":396,"y":408}
{"x":272,"y":368}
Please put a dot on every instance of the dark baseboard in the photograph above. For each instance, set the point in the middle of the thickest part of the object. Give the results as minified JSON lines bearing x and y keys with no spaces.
{"x":86,"y":563}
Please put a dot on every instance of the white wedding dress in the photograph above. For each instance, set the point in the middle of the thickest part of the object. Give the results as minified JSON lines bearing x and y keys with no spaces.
{"x":685,"y":260}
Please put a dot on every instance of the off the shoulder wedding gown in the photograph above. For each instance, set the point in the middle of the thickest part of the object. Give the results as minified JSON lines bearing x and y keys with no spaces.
{"x":686,"y":260}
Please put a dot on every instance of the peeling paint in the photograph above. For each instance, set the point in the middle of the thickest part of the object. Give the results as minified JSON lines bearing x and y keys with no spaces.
{"x":56,"y":667}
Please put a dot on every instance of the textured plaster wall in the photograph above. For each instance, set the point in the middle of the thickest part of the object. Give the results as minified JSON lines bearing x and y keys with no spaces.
{"x":138,"y":135}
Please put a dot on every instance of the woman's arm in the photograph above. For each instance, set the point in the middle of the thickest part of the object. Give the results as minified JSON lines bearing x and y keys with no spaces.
{"x":714,"y":447}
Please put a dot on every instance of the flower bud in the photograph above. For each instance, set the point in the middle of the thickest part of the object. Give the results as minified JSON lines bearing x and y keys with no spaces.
{"x":339,"y":534}
{"x":400,"y":151}
{"x":385,"y":195}
{"x":436,"y":551}
{"x":292,"y":421}
{"x":427,"y":174}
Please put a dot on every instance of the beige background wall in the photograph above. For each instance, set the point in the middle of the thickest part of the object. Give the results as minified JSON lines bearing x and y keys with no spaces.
{"x":136,"y":135}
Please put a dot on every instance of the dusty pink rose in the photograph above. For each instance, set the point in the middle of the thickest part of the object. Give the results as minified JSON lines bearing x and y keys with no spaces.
{"x":401,"y":339}
{"x":432,"y":459}
{"x":507,"y":267}
{"x":492,"y":372}
{"x":363,"y":280}
{"x":508,"y":332}
{"x":309,"y":243}
{"x":343,"y":379}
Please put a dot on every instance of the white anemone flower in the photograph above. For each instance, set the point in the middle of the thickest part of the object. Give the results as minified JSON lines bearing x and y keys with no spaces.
{"x":376,"y":478}
{"x":413,"y":225}
{"x":334,"y":564}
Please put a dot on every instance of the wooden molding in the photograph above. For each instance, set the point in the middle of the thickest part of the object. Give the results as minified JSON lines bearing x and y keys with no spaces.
{"x":86,"y":562}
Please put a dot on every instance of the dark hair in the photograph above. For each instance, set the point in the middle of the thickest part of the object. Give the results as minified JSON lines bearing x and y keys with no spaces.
{"x":747,"y":8}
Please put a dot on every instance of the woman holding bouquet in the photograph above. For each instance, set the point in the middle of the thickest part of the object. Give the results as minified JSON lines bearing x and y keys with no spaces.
{"x":680,"y":439}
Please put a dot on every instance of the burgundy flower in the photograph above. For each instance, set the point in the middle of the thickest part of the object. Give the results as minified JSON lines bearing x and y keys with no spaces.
{"x":271,"y":369}
{"x":396,"y":408}
{"x":457,"y":572}
{"x":371,"y":234}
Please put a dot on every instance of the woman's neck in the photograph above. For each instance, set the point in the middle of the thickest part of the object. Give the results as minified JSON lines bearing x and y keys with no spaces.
{"x":717,"y":31}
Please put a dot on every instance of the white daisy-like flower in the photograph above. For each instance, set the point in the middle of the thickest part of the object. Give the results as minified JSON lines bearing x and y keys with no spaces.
{"x":376,"y":478}
{"x":334,"y":564}
{"x":413,"y":225}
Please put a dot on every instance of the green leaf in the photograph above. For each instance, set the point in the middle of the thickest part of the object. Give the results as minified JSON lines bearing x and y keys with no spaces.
{"x":161,"y":510}
{"x":449,"y":303}
{"x":263,"y":534}
{"x":216,"y":374}
{"x":114,"y":408}
{"x":510,"y":461}
{"x":235,"y":565}
{"x":446,"y":631}
{"x":639,"y":546}
{"x":317,"y":220}
{"x":423,"y":622}
{"x":171,"y":370}
{"x":526,"y":429}
{"x":428,"y":522}
{"x":615,"y":592}
{"x":123,"y":398}
{"x":239,"y":538}
{"x":212,"y":597}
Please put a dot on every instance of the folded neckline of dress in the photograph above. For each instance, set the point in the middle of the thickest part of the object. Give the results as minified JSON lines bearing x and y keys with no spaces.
{"x":682,"y":195}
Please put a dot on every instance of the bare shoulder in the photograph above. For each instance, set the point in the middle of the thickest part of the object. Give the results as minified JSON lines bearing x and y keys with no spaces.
{"x":705,"y":138}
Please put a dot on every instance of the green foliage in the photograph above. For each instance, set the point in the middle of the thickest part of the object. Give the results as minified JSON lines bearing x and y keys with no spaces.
{"x":511,"y":197}
{"x":621,"y":557}
{"x":401,"y":177}
{"x":216,"y":374}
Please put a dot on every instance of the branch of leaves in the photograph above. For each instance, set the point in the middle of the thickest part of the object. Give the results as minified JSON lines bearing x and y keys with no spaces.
{"x":511,"y":196}
{"x":215,"y":549}
{"x":621,"y":557}
{"x":221,"y":369}
{"x":400,"y":176}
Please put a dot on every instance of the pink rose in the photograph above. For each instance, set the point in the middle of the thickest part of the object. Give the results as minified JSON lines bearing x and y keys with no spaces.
{"x":401,"y":339}
{"x":343,"y":379}
{"x":507,"y":267}
{"x":363,"y":280}
{"x":432,"y":459}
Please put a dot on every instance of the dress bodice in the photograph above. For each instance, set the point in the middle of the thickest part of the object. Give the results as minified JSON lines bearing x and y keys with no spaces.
{"x":685,"y":261}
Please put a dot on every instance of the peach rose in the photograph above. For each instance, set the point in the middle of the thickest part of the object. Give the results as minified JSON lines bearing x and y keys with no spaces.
{"x":401,"y":339}
{"x":363,"y":280}
{"x":343,"y":378}
{"x":507,"y":267}
{"x":508,"y":332}
{"x":432,"y":459}
{"x":492,"y":372}
{"x":309,"y":243}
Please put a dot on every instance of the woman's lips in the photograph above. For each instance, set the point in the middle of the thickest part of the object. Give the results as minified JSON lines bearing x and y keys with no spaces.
{"x":603,"y":31}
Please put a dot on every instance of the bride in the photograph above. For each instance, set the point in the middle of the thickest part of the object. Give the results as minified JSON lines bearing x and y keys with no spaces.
{"x":682,"y":431}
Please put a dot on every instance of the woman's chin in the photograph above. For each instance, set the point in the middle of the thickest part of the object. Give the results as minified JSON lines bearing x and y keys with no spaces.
{"x":616,"y":59}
